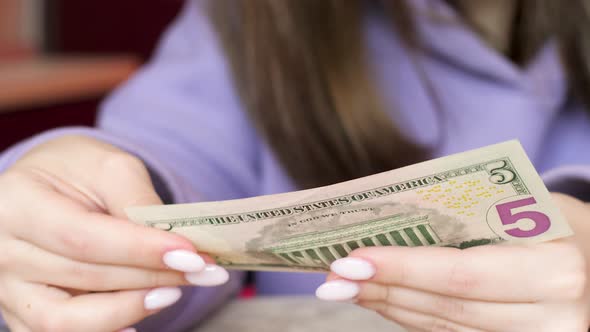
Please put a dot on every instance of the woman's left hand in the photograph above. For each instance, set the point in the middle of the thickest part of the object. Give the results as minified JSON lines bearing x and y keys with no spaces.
{"x":536,"y":288}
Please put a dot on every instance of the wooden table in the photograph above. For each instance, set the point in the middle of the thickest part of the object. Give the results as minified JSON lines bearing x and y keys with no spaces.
{"x":43,"y":81}
{"x":295,"y":314}
{"x":38,"y":94}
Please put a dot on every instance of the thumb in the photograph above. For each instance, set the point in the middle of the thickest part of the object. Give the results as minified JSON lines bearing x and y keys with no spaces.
{"x":124,"y":182}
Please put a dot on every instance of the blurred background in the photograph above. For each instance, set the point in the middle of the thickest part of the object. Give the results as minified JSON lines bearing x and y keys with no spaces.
{"x":59,"y":58}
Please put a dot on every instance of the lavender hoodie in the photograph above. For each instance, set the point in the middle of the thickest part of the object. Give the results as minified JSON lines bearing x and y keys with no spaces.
{"x":182,"y":116}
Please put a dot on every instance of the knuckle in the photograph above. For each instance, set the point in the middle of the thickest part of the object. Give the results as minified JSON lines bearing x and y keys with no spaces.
{"x":389,"y":295}
{"x":121,"y":162}
{"x":156,"y":279}
{"x":572,"y":280}
{"x":461,"y":280}
{"x":385,"y":311}
{"x":87,"y":277}
{"x":76,"y":243}
{"x":575,"y":285}
{"x":441,"y":325}
{"x":450,"y":308}
{"x":403,"y":273}
{"x":137,"y":248}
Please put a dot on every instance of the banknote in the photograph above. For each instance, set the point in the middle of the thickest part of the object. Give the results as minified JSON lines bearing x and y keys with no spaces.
{"x":491,"y":195}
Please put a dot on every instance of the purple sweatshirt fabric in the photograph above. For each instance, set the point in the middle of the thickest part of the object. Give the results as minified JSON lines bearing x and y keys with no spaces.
{"x":182,"y":116}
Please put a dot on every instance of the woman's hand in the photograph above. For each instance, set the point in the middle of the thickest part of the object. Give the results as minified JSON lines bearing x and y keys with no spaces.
{"x":70,"y":261}
{"x":491,"y":288}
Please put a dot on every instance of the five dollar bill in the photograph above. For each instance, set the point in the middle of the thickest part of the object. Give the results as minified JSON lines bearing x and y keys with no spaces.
{"x":490,"y":195}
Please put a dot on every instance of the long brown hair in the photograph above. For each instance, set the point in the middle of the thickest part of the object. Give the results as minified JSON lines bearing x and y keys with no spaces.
{"x":301,"y":69}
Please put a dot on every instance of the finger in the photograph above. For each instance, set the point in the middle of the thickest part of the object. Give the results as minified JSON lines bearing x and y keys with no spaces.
{"x":487,"y":273}
{"x":122,"y":168}
{"x":59,"y":225}
{"x":113,"y":311}
{"x":14,"y":324}
{"x":332,"y":276}
{"x":489,"y":316}
{"x":415,"y":320}
{"x":49,"y":309}
{"x":47,"y":268}
{"x":39,"y":266}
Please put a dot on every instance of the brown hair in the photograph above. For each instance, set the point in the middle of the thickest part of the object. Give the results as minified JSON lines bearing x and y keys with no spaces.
{"x":301,"y":69}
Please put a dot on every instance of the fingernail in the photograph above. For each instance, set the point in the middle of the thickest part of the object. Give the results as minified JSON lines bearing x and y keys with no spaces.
{"x":211,"y":275}
{"x":184,"y":260}
{"x":129,"y":329}
{"x":337,"y":290}
{"x":353,"y":268}
{"x":162,"y":297}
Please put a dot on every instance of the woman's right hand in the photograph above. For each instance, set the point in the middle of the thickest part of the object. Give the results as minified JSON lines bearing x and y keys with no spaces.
{"x":70,"y":260}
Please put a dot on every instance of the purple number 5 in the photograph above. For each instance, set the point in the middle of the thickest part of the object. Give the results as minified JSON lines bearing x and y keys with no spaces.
{"x":541,"y":220}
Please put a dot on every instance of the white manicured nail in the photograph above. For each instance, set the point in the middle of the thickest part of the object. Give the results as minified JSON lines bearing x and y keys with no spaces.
{"x":184,"y":261}
{"x":337,"y":290}
{"x":211,"y":275}
{"x":162,"y":297}
{"x":353,"y":268}
{"x":129,"y":329}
